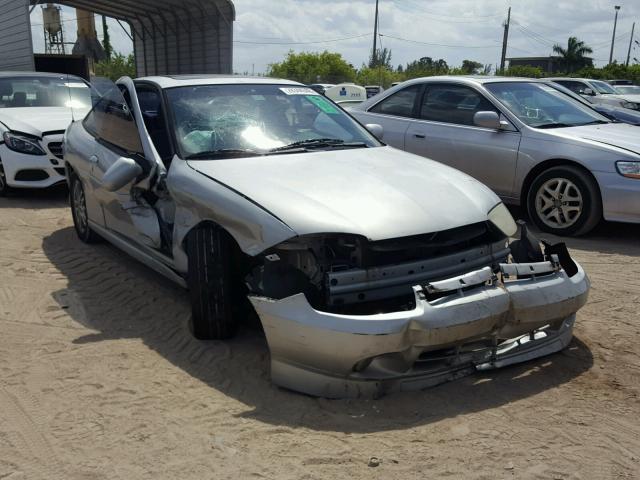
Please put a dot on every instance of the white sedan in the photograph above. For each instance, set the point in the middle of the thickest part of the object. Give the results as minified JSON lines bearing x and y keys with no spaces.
{"x":35,"y":110}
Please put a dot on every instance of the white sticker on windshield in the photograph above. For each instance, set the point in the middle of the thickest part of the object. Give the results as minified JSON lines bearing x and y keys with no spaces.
{"x":298,"y":91}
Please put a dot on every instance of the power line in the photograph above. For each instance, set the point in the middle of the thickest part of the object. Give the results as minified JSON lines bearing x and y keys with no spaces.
{"x":438,"y":44}
{"x":535,"y":34}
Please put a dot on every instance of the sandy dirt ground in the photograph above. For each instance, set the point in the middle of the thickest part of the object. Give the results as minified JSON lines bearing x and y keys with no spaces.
{"x":100,"y":379}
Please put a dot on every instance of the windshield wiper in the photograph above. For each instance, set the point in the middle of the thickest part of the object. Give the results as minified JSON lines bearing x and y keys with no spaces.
{"x":319,"y":142}
{"x":595,"y":122}
{"x":552,"y":125}
{"x":223,"y":153}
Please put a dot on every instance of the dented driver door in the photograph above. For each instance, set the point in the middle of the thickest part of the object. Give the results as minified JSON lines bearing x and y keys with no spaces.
{"x":126,"y":209}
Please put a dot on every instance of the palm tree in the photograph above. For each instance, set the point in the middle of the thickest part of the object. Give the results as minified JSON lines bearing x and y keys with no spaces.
{"x":574,"y":56}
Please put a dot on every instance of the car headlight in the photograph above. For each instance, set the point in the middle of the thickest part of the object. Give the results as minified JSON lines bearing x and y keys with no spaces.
{"x":22,"y":144}
{"x":501,"y":218}
{"x":629,"y":169}
{"x":631,"y":105}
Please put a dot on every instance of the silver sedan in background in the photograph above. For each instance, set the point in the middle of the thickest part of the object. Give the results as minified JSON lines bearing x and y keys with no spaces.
{"x":532,"y":144}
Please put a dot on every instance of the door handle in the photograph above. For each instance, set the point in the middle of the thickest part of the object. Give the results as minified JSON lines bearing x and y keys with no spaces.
{"x":93,"y":159}
{"x":419,"y":135}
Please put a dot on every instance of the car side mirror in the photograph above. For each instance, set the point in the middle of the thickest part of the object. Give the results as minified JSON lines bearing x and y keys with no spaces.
{"x":487,"y":119}
{"x":588,"y":91}
{"x":375,"y":130}
{"x":122,"y":172}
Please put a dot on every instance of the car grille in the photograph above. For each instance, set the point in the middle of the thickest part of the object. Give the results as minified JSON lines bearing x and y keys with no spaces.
{"x":56,"y":149}
{"x":31,"y":175}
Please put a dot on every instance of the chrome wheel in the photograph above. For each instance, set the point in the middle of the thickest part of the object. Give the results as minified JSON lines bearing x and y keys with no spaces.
{"x":559,"y":203}
{"x":79,"y":206}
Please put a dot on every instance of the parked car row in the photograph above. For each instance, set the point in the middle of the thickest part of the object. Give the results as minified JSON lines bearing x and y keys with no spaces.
{"x":526,"y":139}
{"x":600,"y":92}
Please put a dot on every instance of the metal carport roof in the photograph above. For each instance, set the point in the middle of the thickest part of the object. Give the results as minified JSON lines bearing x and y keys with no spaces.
{"x":169,"y":36}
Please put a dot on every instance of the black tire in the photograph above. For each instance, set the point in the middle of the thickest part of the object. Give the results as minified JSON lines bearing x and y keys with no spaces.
{"x":4,"y":188}
{"x":78,"y":204}
{"x":210,"y":283}
{"x":578,"y":183}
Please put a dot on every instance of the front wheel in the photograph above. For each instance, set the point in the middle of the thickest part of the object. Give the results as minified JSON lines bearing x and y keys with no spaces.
{"x":210,"y":283}
{"x":4,"y":188}
{"x":564,"y":200}
{"x":78,"y":203}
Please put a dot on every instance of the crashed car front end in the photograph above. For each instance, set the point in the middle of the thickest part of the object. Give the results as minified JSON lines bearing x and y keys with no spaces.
{"x":346,"y":317}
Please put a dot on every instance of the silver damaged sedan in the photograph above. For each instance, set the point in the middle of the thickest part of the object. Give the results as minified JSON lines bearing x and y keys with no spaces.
{"x":371,"y":269}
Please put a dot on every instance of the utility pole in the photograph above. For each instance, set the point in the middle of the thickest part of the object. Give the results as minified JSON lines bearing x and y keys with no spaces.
{"x":633,"y":27}
{"x":375,"y":36}
{"x":504,"y":41}
{"x":613,"y":38}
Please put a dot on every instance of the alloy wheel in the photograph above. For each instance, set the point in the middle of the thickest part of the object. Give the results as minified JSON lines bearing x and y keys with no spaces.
{"x":79,"y":206}
{"x":559,"y":203}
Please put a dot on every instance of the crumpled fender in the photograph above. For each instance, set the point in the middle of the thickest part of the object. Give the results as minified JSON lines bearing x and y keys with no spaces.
{"x":200,"y":199}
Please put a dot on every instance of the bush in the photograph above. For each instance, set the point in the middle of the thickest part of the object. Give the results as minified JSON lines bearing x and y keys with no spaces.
{"x":525,"y":71}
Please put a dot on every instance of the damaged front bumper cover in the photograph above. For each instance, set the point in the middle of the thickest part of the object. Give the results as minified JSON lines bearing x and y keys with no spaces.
{"x":479,"y":321}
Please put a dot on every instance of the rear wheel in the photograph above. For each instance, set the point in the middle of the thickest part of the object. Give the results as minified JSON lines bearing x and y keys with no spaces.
{"x":210,"y":283}
{"x":79,"y":212}
{"x":564,"y":200}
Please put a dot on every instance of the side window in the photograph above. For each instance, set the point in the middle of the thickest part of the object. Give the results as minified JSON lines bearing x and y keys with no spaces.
{"x":111,"y":120}
{"x":400,"y":103}
{"x":453,"y":104}
{"x":154,"y":120}
{"x":575,"y":87}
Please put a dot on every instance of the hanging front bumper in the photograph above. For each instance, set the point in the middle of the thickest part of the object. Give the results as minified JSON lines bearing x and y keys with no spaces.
{"x":479,"y":321}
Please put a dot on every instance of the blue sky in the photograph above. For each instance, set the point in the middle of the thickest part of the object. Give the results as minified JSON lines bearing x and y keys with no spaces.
{"x":451,"y":29}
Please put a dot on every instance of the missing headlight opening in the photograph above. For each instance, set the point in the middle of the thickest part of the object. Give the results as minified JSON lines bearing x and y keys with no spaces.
{"x":343,"y":273}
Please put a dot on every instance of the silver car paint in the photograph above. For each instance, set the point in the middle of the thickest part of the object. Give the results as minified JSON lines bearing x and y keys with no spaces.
{"x":378,"y":192}
{"x":317,"y":352}
{"x":201,"y":198}
{"x":595,"y":147}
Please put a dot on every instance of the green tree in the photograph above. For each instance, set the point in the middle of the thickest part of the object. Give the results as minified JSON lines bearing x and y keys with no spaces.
{"x":470,"y":67}
{"x":382,"y":58}
{"x":378,"y":76}
{"x":106,"y":38}
{"x":426,"y":67}
{"x":311,"y":67}
{"x":117,"y":66}
{"x":574,"y":57}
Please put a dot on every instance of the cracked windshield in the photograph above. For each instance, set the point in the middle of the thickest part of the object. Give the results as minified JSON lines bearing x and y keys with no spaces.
{"x":259,"y":119}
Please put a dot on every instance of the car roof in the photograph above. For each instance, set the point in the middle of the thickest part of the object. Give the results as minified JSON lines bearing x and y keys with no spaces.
{"x":468,"y":79}
{"x":553,"y":79}
{"x":6,"y":74}
{"x":171,"y":81}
